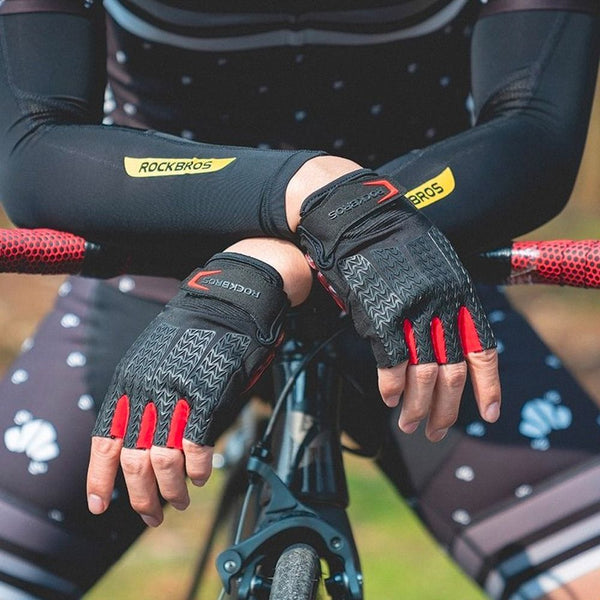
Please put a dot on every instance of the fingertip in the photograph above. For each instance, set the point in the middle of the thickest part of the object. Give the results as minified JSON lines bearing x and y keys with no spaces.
{"x":198,"y":462}
{"x":391,"y":381}
{"x":391,"y":401}
{"x":180,"y":506}
{"x":492,"y":412}
{"x":95,"y":504}
{"x":408,"y":427}
{"x":437,"y":436}
{"x":151,"y":520}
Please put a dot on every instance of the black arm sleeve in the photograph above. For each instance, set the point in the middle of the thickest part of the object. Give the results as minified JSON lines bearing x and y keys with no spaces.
{"x":61,"y":168}
{"x":533,"y":75}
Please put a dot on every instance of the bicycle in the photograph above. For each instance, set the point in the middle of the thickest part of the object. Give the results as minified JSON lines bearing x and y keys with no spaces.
{"x":293,"y":538}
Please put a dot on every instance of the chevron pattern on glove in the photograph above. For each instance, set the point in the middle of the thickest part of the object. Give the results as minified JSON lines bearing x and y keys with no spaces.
{"x":213,"y":376}
{"x":381,"y":305}
{"x":175,"y":373}
{"x":151,"y":348}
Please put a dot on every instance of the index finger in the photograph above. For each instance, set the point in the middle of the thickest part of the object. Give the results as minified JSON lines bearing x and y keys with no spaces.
{"x":102,"y":469}
{"x":485,"y":378}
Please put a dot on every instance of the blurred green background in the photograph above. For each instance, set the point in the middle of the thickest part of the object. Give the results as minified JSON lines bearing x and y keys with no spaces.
{"x":399,"y":558}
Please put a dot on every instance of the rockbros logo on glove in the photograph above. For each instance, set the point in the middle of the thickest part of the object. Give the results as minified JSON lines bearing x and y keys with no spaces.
{"x":194,"y":281}
{"x":382,"y":187}
{"x":206,"y":280}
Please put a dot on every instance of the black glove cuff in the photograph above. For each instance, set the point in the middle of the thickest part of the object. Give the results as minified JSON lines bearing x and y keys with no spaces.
{"x":330,"y":212}
{"x":245,"y":283}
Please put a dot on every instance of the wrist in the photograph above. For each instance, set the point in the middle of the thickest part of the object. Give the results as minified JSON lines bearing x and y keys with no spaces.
{"x":313,"y":175}
{"x":286,"y":259}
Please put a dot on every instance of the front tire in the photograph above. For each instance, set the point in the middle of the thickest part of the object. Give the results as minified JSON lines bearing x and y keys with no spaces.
{"x":297,"y":574}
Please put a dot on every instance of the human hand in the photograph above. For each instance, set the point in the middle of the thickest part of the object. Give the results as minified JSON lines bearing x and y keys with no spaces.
{"x":407,"y":292}
{"x":181,"y":384}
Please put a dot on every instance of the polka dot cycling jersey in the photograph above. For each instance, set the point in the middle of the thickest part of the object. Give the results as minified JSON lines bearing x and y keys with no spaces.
{"x":326,"y":81}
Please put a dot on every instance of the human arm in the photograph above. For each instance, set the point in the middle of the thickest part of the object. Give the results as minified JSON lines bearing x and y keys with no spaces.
{"x":533,"y":75}
{"x":61,"y":168}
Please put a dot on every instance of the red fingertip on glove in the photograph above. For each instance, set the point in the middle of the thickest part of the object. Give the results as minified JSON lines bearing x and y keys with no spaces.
{"x":411,"y":342}
{"x":178,"y":423}
{"x":120,"y":418}
{"x":468,"y":332}
{"x":147,"y":427}
{"x":438,"y":340}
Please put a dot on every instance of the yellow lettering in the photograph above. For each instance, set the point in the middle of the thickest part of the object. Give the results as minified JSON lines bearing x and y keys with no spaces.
{"x":166,"y":167}
{"x":432,"y":190}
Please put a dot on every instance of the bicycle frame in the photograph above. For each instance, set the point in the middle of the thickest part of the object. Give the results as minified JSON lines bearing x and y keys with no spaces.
{"x":300,"y":481}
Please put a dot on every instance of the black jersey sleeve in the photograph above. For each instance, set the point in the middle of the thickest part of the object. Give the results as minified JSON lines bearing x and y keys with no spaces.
{"x":61,"y":168}
{"x":533,"y":76}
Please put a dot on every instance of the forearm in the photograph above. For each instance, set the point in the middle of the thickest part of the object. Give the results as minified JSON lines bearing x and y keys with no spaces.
{"x":60,"y":168}
{"x":533,"y":82}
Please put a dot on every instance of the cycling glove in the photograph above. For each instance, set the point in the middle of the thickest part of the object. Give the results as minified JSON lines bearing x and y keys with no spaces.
{"x":393,"y":271}
{"x":186,"y":374}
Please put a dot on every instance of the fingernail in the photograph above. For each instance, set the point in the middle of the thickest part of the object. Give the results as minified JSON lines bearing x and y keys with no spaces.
{"x":199,"y":482}
{"x":150,"y":521}
{"x":492,"y":412}
{"x":438,"y":435}
{"x":391,"y":401}
{"x":410,"y":427}
{"x":95,"y":504}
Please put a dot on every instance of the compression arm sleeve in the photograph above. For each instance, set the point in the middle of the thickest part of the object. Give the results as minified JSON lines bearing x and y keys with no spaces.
{"x":61,"y":168}
{"x":533,"y":75}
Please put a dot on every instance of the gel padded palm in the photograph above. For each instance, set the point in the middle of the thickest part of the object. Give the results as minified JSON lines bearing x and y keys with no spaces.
{"x":186,"y":374}
{"x":393,"y":271}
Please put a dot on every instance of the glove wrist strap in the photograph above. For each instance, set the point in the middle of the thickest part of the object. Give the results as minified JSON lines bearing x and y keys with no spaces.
{"x":328,"y":214}
{"x":246,"y":283}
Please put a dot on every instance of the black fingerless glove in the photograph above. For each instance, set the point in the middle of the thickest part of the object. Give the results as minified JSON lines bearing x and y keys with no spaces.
{"x":393,"y":271}
{"x":186,"y":373}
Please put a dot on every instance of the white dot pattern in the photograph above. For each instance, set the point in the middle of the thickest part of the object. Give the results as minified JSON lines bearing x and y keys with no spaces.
{"x":19,"y":376}
{"x":523,"y":491}
{"x":27,"y":344}
{"x":76,"y":359}
{"x":278,"y":100}
{"x":85,"y":402}
{"x":126,"y":284}
{"x":65,"y":289}
{"x":70,"y":320}
{"x":56,"y":515}
{"x":476,"y":429}
{"x":465,"y":473}
{"x":461,"y":516}
{"x":553,"y":361}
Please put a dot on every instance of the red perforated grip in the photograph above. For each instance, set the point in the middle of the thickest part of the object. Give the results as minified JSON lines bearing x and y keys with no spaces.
{"x":560,"y":262}
{"x":42,"y":251}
